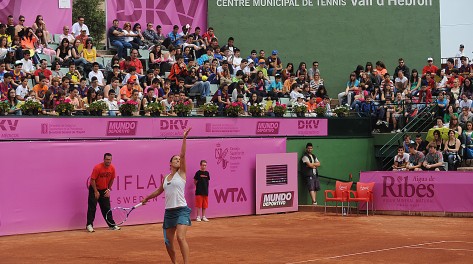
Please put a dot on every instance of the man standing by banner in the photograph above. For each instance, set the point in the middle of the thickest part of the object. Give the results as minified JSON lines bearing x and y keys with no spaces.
{"x":101,"y":182}
{"x":309,"y":165}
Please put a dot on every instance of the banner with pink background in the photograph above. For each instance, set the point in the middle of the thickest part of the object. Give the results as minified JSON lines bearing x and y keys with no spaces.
{"x":425,"y":191}
{"x":159,"y":12}
{"x":276,"y":183}
{"x":54,"y":17}
{"x":43,"y":186}
{"x":77,"y":128}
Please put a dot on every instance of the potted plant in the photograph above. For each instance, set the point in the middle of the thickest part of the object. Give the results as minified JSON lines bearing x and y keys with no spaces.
{"x":299,"y":109}
{"x":4,"y":107}
{"x":256,"y":110}
{"x":320,"y":111}
{"x":209,"y":109}
{"x":127,"y":108}
{"x":64,"y":108}
{"x":154,"y":108}
{"x":31,"y":107}
{"x":342,"y":110}
{"x":234,"y":109}
{"x":183,"y":108}
{"x":279,"y":109}
{"x":96,"y":108}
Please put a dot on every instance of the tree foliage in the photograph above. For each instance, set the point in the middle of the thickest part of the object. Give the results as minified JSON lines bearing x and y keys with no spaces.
{"x":94,"y":15}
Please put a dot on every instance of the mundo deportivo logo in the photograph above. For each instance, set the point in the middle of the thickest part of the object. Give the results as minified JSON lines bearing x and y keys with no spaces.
{"x":122,"y":128}
{"x":267,"y":128}
{"x":276,"y":200}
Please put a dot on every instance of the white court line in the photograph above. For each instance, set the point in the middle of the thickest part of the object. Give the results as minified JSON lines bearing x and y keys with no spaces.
{"x":452,"y":249}
{"x":369,"y":252}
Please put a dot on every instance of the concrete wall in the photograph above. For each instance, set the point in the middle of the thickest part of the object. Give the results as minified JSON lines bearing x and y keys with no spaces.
{"x":338,"y":36}
{"x":338,"y":158}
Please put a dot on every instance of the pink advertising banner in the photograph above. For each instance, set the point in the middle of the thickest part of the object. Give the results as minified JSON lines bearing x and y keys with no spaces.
{"x":159,"y":12}
{"x":276,"y":183}
{"x":77,"y":128}
{"x":54,"y":17}
{"x":44,"y":187}
{"x":424,"y":191}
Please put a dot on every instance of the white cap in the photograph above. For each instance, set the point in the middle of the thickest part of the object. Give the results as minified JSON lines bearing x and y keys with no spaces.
{"x":430,"y":59}
{"x":250,"y":61}
{"x":188,"y":26}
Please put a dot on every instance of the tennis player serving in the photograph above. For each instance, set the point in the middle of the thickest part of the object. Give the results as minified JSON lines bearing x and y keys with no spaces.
{"x":177,"y":213}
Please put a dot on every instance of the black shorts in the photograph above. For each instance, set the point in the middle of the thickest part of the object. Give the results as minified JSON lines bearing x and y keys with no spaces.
{"x":313,"y":183}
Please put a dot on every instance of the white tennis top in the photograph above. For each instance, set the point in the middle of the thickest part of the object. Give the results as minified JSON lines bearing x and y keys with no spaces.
{"x":174,"y":191}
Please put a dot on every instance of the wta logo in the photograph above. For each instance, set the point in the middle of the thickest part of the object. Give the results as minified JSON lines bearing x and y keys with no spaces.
{"x":267,"y":128}
{"x":122,"y":128}
{"x":277,"y":200}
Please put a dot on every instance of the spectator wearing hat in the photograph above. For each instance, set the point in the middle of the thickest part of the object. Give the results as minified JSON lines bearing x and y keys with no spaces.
{"x":430,"y":67}
{"x":115,"y":73}
{"x":262,"y":67}
{"x":127,"y":90}
{"x":275,"y":64}
{"x":17,"y":73}
{"x":460,"y":53}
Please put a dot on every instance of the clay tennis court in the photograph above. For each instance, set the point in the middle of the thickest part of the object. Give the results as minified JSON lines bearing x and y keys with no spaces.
{"x":302,"y":237}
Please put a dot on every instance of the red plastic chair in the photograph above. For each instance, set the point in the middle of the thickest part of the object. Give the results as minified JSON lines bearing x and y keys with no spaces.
{"x":340,"y":194}
{"x":363,"y":193}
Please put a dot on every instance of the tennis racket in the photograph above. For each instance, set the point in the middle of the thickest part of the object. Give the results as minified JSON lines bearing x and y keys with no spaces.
{"x":118,"y":215}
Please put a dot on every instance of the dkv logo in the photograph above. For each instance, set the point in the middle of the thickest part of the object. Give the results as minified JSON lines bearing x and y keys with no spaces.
{"x":8,"y":125}
{"x":236,"y":195}
{"x":173,"y":124}
{"x":308,"y":124}
{"x":400,"y":187}
{"x":157,"y":11}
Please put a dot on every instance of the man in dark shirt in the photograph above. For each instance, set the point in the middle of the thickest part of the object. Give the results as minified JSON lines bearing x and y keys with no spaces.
{"x":201,"y":181}
{"x":117,"y":39}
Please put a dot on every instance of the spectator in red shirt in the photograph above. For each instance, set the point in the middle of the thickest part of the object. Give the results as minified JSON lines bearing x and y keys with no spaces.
{"x":43,"y":70}
{"x":5,"y":86}
{"x":430,"y":67}
{"x":134,"y":62}
{"x":208,"y":36}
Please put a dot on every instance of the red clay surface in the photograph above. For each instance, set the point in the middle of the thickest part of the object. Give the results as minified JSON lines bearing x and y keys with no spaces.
{"x":303,"y":237}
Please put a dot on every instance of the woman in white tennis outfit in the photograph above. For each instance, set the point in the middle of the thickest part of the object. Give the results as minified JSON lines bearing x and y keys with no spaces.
{"x":177,"y":213}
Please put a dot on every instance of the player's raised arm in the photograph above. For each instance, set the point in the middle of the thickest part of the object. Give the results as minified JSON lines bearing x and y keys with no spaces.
{"x":182,"y":155}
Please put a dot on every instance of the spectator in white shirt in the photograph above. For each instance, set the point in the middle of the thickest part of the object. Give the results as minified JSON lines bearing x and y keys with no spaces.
{"x":97,"y":73}
{"x":79,"y":26}
{"x":28,"y":66}
{"x":112,"y":103}
{"x":66,"y":34}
